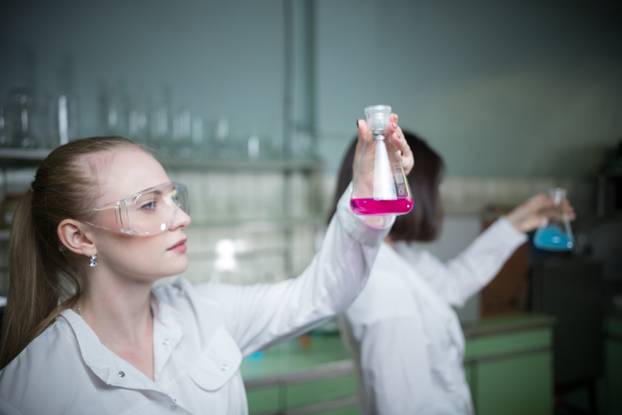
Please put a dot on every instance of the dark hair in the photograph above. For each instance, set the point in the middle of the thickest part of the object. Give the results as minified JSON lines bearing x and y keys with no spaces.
{"x":44,"y":278}
{"x":424,"y":222}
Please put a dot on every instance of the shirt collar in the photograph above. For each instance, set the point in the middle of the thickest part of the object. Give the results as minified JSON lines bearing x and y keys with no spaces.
{"x":112,"y":369}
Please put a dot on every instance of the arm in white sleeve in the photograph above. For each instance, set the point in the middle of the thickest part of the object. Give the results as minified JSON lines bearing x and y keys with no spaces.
{"x":461,"y":277}
{"x":260,"y":314}
{"x":466,"y":274}
{"x":395,"y":367}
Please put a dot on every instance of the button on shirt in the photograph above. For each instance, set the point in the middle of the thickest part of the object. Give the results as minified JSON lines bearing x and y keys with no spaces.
{"x":200,"y":334}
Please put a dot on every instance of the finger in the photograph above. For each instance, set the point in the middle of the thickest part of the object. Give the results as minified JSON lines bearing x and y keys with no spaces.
{"x":363,"y":132}
{"x":539,"y":202}
{"x":398,"y":140}
{"x":392,"y":126}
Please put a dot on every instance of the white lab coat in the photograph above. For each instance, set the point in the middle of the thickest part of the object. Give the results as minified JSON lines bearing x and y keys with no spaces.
{"x":201,"y":334}
{"x":406,"y":339}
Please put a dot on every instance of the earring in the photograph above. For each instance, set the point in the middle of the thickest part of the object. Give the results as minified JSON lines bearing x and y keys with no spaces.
{"x":93,"y":261}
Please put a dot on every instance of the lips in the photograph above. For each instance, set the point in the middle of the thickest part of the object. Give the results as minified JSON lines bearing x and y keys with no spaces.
{"x":180,"y":245}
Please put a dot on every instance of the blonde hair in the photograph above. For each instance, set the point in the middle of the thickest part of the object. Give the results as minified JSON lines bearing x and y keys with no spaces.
{"x":44,"y":278}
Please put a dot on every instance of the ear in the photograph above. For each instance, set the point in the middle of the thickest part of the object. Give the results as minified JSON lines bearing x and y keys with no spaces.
{"x":73,"y":236}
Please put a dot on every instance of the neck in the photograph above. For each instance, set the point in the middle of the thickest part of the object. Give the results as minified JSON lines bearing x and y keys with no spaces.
{"x":118,"y":310}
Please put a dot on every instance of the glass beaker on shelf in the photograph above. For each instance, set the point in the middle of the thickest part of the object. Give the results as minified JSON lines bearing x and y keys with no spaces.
{"x":389,"y":192}
{"x":138,"y":127}
{"x":59,"y":113}
{"x":114,"y":109}
{"x":556,"y":235}
{"x":4,"y":129}
{"x":223,"y":146}
{"x":160,"y":121}
{"x":182,"y":133}
{"x":259,"y":147}
{"x":197,"y":136}
{"x":20,"y":117}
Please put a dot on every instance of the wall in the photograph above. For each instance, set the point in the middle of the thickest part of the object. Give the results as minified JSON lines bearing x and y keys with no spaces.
{"x":518,"y":88}
{"x":514,"y":88}
{"x":217,"y":58}
{"x":525,"y":90}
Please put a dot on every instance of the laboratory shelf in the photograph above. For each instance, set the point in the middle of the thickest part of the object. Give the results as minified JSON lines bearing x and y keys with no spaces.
{"x":12,"y":157}
{"x":226,"y":222}
{"x":244,"y":165}
{"x":16,"y":157}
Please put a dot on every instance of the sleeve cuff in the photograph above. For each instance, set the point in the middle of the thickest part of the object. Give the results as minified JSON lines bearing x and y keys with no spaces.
{"x":507,"y":234}
{"x":357,"y":227}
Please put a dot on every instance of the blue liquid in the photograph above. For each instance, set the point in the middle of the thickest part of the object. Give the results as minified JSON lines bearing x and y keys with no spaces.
{"x":255,"y":356}
{"x":553,"y":239}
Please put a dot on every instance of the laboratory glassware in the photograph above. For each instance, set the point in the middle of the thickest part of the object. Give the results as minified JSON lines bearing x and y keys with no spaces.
{"x":556,"y":235}
{"x":389,"y":193}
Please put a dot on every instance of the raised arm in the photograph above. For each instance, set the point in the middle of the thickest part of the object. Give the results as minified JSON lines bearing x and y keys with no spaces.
{"x":466,"y":274}
{"x":258,"y":315}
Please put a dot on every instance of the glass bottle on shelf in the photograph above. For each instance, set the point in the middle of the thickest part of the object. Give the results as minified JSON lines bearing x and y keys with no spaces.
{"x":182,"y":133}
{"x":389,"y":193}
{"x":4,"y":130}
{"x":197,"y":135}
{"x":137,"y":116}
{"x":223,"y":145}
{"x":114,"y":109}
{"x":160,"y":121}
{"x":20,"y":115}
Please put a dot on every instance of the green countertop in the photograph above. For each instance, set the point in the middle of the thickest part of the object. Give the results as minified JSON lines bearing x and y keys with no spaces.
{"x":324,"y":352}
{"x":300,"y":355}
{"x":506,"y":323}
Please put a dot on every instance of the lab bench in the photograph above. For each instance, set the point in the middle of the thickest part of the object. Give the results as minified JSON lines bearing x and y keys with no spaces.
{"x":508,"y":366}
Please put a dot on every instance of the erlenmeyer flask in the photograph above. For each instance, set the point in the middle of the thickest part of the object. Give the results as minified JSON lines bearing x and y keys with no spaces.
{"x":556,"y":235}
{"x":390,"y":193}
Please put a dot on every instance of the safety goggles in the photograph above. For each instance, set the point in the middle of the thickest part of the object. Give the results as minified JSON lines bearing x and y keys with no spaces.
{"x":148,"y":212}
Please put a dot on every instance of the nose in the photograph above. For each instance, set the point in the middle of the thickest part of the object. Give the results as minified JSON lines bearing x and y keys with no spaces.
{"x":181,"y":219}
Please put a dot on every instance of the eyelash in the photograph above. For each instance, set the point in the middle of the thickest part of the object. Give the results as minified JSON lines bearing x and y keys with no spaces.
{"x":149,"y":205}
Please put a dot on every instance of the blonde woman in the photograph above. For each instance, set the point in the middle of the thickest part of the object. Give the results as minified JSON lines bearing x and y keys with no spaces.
{"x":85,"y":331}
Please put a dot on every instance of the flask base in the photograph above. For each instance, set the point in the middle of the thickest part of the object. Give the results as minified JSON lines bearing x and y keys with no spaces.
{"x":369,"y":206}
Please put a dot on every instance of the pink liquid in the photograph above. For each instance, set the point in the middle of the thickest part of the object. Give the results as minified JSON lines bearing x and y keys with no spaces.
{"x":368,"y":206}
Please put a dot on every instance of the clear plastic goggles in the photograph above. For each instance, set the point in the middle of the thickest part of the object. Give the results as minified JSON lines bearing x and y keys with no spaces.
{"x":148,"y":212}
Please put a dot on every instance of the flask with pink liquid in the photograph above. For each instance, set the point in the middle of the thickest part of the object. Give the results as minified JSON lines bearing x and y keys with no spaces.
{"x":389,"y":193}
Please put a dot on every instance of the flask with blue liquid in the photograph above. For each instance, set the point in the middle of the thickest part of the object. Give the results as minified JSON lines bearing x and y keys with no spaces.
{"x":556,"y":235}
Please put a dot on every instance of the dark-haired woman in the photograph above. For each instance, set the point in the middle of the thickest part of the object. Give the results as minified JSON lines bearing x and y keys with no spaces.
{"x":405,"y":336}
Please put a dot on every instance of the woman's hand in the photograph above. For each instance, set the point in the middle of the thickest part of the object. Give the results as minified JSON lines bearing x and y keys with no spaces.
{"x":537,"y":211}
{"x":397,"y":147}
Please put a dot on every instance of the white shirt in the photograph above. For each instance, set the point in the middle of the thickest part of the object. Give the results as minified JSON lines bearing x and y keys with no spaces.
{"x":201,"y":334}
{"x":406,"y":338}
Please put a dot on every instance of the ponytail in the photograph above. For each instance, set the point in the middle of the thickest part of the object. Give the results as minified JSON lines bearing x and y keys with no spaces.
{"x":45,"y":279}
{"x":30,"y":301}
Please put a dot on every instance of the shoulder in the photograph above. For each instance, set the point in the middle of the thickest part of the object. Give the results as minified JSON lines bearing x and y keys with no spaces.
{"x":179,"y":292}
{"x":414,"y":254}
{"x":196,"y":308}
{"x":36,"y":371}
{"x":52,"y":347}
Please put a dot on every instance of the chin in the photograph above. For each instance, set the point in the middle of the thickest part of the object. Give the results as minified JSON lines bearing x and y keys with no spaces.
{"x":178,"y":268}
